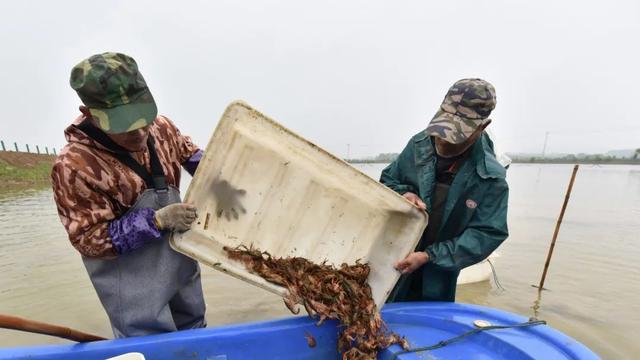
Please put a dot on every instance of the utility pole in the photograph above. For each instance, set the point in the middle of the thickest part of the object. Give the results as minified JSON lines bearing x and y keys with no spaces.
{"x":348,"y":151}
{"x":544,"y":147}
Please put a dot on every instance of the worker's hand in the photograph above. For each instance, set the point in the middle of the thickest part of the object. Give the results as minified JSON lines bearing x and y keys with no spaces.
{"x":415,"y":200}
{"x":412,"y":262}
{"x":176,"y":217}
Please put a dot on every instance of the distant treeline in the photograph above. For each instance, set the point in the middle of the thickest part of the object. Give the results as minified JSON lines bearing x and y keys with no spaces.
{"x":632,"y":158}
{"x":385,"y":158}
{"x":576,"y":160}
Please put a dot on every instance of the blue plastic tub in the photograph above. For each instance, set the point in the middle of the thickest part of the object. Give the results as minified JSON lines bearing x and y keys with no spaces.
{"x":422,"y":324}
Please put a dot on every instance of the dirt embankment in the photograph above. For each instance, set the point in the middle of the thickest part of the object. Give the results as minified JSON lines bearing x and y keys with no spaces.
{"x":24,"y":168}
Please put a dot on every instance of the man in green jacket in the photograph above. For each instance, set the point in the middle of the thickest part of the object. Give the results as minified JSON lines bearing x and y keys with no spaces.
{"x":450,"y":170}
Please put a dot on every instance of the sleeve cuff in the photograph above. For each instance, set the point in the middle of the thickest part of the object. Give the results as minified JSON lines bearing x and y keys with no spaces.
{"x":429,"y":252}
{"x":192,"y":163}
{"x":131,"y":231}
{"x":402,"y":189}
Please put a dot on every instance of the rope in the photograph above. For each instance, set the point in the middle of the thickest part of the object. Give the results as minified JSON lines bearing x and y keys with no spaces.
{"x":443,"y":343}
{"x":495,"y":276}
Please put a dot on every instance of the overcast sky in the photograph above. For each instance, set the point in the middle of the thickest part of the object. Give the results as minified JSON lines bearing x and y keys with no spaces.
{"x":366,"y":73}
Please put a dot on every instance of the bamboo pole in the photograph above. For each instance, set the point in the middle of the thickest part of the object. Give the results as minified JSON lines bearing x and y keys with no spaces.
{"x":555,"y":233}
{"x":17,"y":323}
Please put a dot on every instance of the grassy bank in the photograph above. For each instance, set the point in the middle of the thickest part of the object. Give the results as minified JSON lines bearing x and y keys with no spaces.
{"x":18,"y":168}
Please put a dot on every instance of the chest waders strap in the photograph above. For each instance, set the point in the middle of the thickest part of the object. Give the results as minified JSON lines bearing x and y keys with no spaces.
{"x":154,"y":180}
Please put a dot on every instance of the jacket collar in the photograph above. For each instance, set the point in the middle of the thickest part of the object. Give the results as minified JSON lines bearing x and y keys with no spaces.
{"x":75,"y":135}
{"x":481,"y":153}
{"x":488,"y":166}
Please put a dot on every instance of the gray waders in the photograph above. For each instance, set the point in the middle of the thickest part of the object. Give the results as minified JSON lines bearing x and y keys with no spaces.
{"x":153,"y":289}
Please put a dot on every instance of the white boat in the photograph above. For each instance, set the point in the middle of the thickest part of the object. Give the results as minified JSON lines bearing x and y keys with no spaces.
{"x":479,"y":272}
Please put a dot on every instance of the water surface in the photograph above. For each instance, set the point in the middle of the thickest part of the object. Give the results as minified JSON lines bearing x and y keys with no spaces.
{"x":593,"y":280}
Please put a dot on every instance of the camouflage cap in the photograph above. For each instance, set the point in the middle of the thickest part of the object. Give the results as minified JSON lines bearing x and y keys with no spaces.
{"x":115,"y":92}
{"x":466,"y":106}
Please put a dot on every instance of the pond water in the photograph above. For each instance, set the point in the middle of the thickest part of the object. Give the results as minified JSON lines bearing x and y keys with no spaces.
{"x":593,"y":280}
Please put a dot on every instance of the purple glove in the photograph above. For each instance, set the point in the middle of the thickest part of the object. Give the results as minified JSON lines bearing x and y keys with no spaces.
{"x":131,"y":231}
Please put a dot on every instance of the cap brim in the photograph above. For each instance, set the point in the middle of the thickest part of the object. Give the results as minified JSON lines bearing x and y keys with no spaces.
{"x":125,"y":118}
{"x":452,"y":128}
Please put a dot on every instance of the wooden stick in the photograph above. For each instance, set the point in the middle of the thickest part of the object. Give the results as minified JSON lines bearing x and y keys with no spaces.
{"x":555,"y":233}
{"x":16,"y":323}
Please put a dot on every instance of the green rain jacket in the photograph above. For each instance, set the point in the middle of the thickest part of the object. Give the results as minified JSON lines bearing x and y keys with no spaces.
{"x":474,"y":222}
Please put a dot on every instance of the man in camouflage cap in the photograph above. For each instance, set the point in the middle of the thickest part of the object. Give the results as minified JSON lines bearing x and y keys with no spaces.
{"x":116,"y":188}
{"x":450,"y":170}
{"x":114,"y":91}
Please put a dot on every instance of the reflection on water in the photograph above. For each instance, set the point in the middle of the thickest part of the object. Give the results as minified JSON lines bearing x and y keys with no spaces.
{"x":12,"y":191}
{"x":593,"y":279}
{"x":536,"y":305}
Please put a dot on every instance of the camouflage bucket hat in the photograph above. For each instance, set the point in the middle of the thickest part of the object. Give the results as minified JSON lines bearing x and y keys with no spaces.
{"x":115,"y":92}
{"x":466,"y":106}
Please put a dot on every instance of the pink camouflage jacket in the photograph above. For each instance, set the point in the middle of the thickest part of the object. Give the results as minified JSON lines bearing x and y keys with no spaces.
{"x":92,"y":189}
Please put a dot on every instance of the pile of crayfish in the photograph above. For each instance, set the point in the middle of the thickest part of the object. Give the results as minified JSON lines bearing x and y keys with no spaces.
{"x":327,"y":292}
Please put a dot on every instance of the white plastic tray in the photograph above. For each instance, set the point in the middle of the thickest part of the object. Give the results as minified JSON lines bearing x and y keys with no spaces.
{"x":260,"y":184}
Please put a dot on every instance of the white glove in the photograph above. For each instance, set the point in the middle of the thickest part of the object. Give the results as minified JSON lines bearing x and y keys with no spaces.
{"x":175,"y":217}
